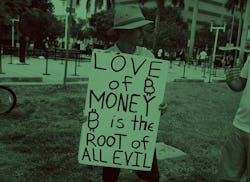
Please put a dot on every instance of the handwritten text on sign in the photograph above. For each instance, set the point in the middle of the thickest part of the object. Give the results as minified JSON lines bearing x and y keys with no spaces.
{"x":122,"y":102}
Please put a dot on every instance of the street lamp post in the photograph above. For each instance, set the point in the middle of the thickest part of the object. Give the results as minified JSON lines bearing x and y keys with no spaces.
{"x":212,"y":27}
{"x":12,"y":36}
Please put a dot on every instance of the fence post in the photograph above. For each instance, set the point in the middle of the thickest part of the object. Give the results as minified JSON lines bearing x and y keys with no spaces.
{"x":79,"y":59}
{"x":47,"y":62}
{"x":62,"y":56}
{"x":184,"y":70}
{"x":11,"y":54}
{"x":1,"y":70}
{"x":55,"y":53}
{"x":210,"y":71}
{"x":76,"y":55}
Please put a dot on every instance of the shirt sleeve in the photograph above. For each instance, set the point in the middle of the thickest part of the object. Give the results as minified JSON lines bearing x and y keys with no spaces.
{"x":245,"y":69}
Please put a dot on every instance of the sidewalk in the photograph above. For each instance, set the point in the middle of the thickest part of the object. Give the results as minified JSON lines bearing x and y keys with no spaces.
{"x":33,"y":72}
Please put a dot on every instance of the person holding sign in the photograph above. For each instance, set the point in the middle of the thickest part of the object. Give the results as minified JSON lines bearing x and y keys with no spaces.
{"x":235,"y":158}
{"x":128,"y":25}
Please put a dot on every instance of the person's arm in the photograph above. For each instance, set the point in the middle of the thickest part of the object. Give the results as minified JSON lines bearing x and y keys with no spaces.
{"x":163,"y":106}
{"x":238,"y":84}
{"x":234,"y":81}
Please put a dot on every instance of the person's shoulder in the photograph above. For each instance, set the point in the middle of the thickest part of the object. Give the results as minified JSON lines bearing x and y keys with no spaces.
{"x":143,"y":51}
{"x":112,"y":48}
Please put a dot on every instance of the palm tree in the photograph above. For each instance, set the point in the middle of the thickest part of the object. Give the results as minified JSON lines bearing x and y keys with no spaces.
{"x":241,"y":35}
{"x":231,"y":5}
{"x":240,"y":5}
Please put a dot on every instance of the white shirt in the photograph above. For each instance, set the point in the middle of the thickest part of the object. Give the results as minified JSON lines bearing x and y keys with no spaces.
{"x":242,"y":117}
{"x":139,"y":51}
{"x":203,"y":55}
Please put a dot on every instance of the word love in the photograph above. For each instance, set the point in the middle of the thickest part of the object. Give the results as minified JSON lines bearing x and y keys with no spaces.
{"x":120,"y":63}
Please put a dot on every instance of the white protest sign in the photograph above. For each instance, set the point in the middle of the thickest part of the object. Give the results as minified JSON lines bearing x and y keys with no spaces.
{"x":122,"y":109}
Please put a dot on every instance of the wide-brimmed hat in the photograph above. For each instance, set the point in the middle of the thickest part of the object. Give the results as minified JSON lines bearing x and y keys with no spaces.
{"x":129,"y":17}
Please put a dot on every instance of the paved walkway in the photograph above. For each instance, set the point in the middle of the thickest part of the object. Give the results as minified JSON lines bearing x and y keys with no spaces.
{"x":33,"y":72}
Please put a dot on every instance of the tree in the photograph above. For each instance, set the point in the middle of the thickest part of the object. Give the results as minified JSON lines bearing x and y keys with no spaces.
{"x":102,"y":22}
{"x":49,"y":26}
{"x":160,"y":7}
{"x":172,"y":30}
{"x":77,"y":28}
{"x":31,"y":13}
{"x":233,"y":5}
{"x":98,"y":4}
{"x":241,"y":36}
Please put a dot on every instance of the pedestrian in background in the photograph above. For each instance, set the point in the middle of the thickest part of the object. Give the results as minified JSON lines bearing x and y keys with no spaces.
{"x":202,"y":57}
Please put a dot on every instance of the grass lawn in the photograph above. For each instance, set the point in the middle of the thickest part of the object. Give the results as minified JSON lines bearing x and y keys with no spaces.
{"x":40,"y":138}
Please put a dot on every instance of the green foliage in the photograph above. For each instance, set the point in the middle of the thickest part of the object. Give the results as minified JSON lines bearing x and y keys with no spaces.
{"x":102,"y":22}
{"x":173,"y":31}
{"x":98,"y":4}
{"x":38,"y":25}
{"x":36,"y":19}
{"x":77,"y":29}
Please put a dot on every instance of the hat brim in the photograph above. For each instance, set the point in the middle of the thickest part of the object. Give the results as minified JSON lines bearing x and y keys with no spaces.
{"x":134,"y":25}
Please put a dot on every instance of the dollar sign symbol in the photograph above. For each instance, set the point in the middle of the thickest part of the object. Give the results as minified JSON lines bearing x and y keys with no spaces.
{"x":149,"y":87}
{"x":93,"y":121}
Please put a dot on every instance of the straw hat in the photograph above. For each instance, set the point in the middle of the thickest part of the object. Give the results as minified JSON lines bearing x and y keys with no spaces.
{"x":129,"y":17}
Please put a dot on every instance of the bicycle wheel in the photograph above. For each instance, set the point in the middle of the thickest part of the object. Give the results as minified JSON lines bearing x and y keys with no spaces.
{"x":7,"y":100}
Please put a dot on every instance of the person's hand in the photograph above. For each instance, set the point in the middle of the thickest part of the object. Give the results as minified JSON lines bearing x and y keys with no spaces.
{"x":232,"y":74}
{"x":163,"y":107}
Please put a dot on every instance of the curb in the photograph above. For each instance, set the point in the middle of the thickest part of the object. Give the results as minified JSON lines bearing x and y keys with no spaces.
{"x":21,"y":79}
{"x":73,"y":79}
{"x":198,"y":80}
{"x":42,"y":83}
{"x":188,"y":80}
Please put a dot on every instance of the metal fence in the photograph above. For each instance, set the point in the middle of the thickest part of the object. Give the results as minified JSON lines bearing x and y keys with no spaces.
{"x":52,"y":53}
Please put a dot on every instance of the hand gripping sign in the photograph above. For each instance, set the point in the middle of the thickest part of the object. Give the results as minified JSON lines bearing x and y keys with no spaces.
{"x":123,"y":97}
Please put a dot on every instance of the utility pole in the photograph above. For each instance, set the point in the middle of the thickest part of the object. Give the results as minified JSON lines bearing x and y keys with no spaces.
{"x":69,"y":11}
{"x":212,"y":27}
{"x":193,"y":28}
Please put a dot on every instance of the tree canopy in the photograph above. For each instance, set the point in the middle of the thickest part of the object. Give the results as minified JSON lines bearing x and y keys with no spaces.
{"x":173,"y":31}
{"x":36,"y":19}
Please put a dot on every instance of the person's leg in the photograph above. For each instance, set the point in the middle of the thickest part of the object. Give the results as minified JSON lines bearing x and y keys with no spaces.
{"x":233,"y":159}
{"x":248,"y":159}
{"x":110,"y":174}
{"x":150,"y":176}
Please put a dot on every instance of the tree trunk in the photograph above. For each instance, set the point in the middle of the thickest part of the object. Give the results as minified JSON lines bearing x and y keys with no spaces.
{"x":238,"y":36}
{"x":160,"y":6}
{"x":239,"y":30}
{"x":232,"y":28}
{"x":244,"y":34}
{"x":157,"y":22}
{"x":193,"y":28}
